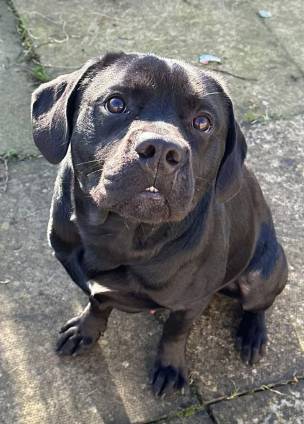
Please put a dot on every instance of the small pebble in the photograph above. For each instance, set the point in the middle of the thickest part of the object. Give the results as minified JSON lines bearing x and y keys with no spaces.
{"x":5,"y":226}
{"x":207,"y":58}
{"x":264,"y":14}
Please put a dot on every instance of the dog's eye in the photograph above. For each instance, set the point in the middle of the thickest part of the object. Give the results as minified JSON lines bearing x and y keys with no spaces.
{"x":201,"y":123}
{"x":115,"y":105}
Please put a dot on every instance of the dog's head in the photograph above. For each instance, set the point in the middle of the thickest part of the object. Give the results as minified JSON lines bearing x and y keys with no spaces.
{"x":148,"y":136}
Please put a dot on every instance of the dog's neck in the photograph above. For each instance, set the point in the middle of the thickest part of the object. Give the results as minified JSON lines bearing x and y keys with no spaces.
{"x":114,"y":240}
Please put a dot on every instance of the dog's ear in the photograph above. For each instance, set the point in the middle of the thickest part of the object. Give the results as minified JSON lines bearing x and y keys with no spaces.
{"x":229,"y":177}
{"x":52,"y":113}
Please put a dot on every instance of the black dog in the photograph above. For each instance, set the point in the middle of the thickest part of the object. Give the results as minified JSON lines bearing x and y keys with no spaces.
{"x":153,"y":207}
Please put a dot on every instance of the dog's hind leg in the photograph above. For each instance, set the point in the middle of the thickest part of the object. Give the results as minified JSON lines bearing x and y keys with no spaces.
{"x":258,"y":288}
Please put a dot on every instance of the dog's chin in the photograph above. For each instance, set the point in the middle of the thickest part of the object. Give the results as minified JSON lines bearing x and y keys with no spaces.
{"x":148,"y":206}
{"x":145,"y":207}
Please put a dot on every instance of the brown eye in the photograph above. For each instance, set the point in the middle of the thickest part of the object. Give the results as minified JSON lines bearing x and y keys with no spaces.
{"x":115,"y":105}
{"x":201,"y":123}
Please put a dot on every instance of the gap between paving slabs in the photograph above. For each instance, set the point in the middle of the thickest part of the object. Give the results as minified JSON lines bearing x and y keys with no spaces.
{"x":206,"y":407}
{"x":283,"y":404}
{"x":35,"y":68}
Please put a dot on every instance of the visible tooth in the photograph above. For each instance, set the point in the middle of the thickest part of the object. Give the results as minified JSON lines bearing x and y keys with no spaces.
{"x":152,"y":189}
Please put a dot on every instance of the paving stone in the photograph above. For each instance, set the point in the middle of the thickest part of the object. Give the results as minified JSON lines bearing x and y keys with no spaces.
{"x":108,"y":385}
{"x":277,"y":156}
{"x":279,"y":405}
{"x":266,"y":81}
{"x":15,"y":90}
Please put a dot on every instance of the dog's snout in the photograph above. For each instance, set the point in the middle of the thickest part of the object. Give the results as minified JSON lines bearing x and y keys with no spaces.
{"x":155,"y":151}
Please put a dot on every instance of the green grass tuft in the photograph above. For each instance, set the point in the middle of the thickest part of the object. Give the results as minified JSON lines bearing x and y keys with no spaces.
{"x":40,"y":74}
{"x":37,"y":71}
{"x":10,"y":154}
{"x":190,"y":411}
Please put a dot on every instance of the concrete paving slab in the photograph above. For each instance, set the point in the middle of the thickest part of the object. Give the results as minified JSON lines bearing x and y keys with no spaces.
{"x":198,"y":418}
{"x":15,"y":90}
{"x":68,"y":33}
{"x":276,"y":155}
{"x":280,"y":405}
{"x":109,"y":385}
{"x":286,"y":25}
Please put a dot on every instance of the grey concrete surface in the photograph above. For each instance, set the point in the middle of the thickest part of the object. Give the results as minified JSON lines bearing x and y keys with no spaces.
{"x":110,"y":385}
{"x":15,"y":90}
{"x":66,"y":34}
{"x":280,"y":405}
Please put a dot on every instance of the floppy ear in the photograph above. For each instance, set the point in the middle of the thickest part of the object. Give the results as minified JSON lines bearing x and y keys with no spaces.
{"x":52,"y":112}
{"x":229,"y":177}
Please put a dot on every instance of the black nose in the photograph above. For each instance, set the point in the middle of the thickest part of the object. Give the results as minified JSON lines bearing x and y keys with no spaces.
{"x":159,"y":153}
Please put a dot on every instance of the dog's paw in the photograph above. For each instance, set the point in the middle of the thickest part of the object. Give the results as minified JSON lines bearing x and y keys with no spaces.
{"x":76,"y":337}
{"x":166,"y":378}
{"x":251,"y":337}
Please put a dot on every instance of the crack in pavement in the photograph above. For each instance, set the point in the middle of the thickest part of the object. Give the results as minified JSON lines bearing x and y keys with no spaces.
{"x":206,"y":406}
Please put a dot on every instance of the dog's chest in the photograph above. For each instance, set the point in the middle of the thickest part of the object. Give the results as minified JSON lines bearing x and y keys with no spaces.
{"x":115,"y":242}
{"x":164,"y":261}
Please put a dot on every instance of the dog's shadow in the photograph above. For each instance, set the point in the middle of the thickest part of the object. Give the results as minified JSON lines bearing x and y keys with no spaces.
{"x":42,"y":387}
{"x":109,"y":384}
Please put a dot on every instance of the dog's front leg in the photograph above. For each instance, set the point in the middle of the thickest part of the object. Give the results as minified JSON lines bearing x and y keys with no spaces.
{"x":81,"y":332}
{"x":170,"y":370}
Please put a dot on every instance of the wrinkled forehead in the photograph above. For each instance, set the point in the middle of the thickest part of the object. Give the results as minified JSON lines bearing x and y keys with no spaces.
{"x":156,"y":72}
{"x":160,"y":75}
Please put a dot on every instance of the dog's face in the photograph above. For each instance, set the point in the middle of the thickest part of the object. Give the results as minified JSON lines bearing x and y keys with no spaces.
{"x":148,"y":136}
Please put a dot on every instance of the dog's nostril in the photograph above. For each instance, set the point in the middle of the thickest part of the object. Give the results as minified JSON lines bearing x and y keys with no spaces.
{"x":173,"y":157}
{"x":147,"y":152}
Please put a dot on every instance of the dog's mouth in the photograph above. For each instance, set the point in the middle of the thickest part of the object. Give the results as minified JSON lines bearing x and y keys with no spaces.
{"x":151,"y":193}
{"x":137,"y":198}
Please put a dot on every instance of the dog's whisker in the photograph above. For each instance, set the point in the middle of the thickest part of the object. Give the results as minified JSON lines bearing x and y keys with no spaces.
{"x":201,"y":178}
{"x":94,"y":172}
{"x":89,"y":161}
